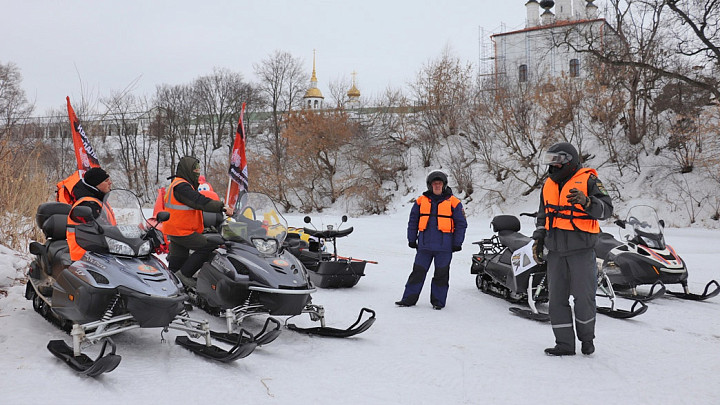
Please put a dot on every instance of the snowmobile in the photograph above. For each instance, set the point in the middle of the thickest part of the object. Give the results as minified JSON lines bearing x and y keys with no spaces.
{"x":505,"y":267}
{"x":643,"y":258}
{"x":252,"y":273}
{"x":118,"y":285}
{"x":325,"y":269}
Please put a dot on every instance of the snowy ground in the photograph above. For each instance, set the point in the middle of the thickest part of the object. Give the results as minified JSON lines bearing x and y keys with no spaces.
{"x":474,"y":351}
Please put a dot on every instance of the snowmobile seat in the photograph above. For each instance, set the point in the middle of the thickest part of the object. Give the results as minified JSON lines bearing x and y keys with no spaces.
{"x":605,"y":243}
{"x":513,"y":240}
{"x":505,"y":223}
{"x":55,"y":226}
{"x":46,"y":210}
{"x":59,"y":252}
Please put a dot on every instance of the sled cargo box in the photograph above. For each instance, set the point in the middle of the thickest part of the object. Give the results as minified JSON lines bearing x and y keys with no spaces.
{"x":337,"y":274}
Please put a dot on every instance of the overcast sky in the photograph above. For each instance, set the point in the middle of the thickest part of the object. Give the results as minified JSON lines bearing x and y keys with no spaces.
{"x":82,"y":47}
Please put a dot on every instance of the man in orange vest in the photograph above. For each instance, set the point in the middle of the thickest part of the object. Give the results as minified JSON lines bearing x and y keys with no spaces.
{"x":436,"y":229}
{"x":572,"y":201}
{"x":185,"y":226}
{"x":89,"y":191}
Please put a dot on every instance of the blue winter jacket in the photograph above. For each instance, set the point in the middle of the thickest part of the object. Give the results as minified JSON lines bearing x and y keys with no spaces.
{"x":431,"y":238}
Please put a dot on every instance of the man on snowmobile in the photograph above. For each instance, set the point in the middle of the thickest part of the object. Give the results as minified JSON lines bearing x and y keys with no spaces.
{"x":185,"y":226}
{"x":436,"y":229}
{"x":89,"y":191}
{"x":572,"y":201}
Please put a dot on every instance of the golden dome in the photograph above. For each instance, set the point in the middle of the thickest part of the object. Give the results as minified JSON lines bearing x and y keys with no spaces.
{"x":353,"y":92}
{"x":313,"y":92}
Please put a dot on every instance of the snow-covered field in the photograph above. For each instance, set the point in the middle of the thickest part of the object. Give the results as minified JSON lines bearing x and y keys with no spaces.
{"x":472,"y":352}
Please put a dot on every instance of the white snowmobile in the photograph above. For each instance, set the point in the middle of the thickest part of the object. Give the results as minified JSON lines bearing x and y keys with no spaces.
{"x":643,"y":258}
{"x":118,"y":285}
{"x":252,"y":273}
{"x":505,"y":267}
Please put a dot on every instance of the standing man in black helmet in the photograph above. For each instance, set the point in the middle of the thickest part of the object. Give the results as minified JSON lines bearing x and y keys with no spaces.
{"x":572,"y":201}
{"x":436,"y":229}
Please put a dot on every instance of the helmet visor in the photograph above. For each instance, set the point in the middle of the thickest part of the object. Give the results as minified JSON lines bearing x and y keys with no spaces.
{"x":555,"y":158}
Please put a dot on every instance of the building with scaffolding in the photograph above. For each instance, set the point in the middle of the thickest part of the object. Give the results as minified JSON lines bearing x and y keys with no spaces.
{"x":546,"y":47}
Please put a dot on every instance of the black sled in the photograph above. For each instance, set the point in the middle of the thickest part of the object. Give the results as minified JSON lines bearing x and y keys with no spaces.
{"x":325,"y":269}
{"x":641,"y":257}
{"x":505,"y":267}
{"x":252,"y":273}
{"x":117,"y":286}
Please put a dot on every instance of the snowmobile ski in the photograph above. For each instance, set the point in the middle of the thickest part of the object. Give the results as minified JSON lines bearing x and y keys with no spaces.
{"x":528,"y":314}
{"x":353,"y":330}
{"x":84,"y":365}
{"x":622,"y":313}
{"x":687,"y":295}
{"x":651,"y":295}
{"x":264,"y":337}
{"x":238,"y":351}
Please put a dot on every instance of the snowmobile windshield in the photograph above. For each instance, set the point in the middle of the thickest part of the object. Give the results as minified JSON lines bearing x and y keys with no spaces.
{"x":257,"y":222}
{"x":126,"y":212}
{"x":642,"y":226}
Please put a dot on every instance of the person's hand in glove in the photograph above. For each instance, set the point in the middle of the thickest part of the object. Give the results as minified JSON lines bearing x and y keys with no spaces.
{"x":537,"y":249}
{"x":412,"y":244}
{"x":578,"y":197}
{"x":456,"y":248}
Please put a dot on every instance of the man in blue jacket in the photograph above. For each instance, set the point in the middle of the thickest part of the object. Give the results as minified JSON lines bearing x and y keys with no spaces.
{"x":436,"y":229}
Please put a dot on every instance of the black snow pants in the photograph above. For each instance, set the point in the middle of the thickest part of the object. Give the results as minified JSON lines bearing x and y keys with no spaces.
{"x":574,"y":275}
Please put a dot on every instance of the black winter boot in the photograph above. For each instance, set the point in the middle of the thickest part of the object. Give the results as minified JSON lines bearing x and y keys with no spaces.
{"x":402,"y":303}
{"x":558,"y":351}
{"x":587,"y":348}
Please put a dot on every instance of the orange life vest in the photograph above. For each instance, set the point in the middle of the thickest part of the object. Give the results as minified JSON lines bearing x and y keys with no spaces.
{"x":64,"y":188}
{"x":559,"y":213}
{"x":183,"y":219}
{"x":76,"y":252}
{"x":445,"y":221}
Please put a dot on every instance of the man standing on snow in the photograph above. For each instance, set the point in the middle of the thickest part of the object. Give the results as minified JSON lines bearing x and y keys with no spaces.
{"x":185,"y":226}
{"x":572,"y":201}
{"x":436,"y":229}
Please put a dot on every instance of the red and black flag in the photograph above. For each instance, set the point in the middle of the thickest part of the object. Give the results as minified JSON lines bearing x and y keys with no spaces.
{"x":84,"y":153}
{"x":238,"y":165}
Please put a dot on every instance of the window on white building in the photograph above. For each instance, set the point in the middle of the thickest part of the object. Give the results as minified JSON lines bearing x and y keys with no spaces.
{"x":574,"y":68}
{"x":522,"y":73}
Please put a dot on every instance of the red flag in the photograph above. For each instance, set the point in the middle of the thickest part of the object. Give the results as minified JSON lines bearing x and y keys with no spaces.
{"x":238,"y":164}
{"x":84,"y":153}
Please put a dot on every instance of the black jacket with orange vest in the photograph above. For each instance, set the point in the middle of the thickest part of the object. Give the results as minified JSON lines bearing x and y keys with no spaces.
{"x":568,"y":228}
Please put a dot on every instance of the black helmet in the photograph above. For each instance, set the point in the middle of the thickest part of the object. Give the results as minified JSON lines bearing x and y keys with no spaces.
{"x":436,"y":175}
{"x":565,"y":154}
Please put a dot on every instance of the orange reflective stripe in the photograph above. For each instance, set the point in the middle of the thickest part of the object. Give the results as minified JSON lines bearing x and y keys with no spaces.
{"x":445,"y":221}
{"x":560,"y":213}
{"x":183,"y":220}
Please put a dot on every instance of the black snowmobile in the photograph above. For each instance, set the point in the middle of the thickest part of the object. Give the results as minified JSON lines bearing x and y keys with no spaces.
{"x":645,"y":259}
{"x":325,"y":269}
{"x":252,"y":273}
{"x":505,"y":267}
{"x":117,"y":286}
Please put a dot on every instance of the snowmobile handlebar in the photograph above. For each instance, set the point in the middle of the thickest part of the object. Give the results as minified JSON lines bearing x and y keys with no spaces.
{"x":328,"y":233}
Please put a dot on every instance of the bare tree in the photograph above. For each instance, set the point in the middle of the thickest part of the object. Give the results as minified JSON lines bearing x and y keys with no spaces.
{"x":282,"y":81}
{"x":14,"y":106}
{"x":442,"y":88}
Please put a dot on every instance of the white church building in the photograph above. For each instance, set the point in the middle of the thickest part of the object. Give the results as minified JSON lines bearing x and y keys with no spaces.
{"x":537,"y":52}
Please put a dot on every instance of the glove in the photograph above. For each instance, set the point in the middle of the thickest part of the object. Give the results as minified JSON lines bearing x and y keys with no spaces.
{"x":537,"y":249}
{"x":577,"y":197}
{"x":456,"y":248}
{"x":412,"y":244}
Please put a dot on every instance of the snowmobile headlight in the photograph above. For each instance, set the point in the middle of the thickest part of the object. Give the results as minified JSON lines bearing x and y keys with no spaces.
{"x":119,"y":248}
{"x":265,"y":246}
{"x":144,"y":248}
